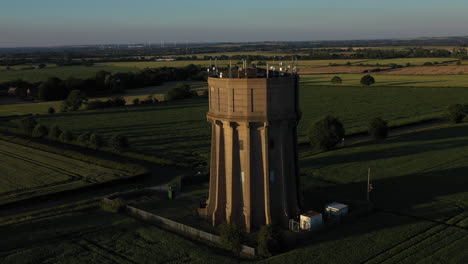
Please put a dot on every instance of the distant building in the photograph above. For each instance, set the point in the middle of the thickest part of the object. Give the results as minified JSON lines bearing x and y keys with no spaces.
{"x":254,"y":170}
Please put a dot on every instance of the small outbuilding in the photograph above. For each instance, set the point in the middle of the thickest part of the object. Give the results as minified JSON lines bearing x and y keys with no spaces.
{"x":336,"y":209}
{"x":311,"y":220}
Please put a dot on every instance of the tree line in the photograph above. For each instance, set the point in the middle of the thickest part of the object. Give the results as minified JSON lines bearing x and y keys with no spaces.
{"x":104,"y":82}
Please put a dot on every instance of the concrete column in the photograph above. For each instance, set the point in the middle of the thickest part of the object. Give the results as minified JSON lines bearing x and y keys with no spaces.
{"x":219,"y":214}
{"x":266,"y":175}
{"x":247,"y":185}
{"x":230,"y":184}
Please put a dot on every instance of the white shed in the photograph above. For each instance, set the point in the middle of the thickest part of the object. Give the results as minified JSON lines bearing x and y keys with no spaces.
{"x":311,"y":220}
{"x":336,"y":209}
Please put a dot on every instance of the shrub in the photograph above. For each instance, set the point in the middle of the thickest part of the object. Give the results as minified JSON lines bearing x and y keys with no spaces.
{"x":269,"y":240}
{"x":428,"y":64}
{"x":367,"y":80}
{"x":40,"y":131}
{"x":326,"y":133}
{"x":118,"y":101}
{"x":456,"y":113}
{"x":136,"y":101}
{"x":118,"y":142}
{"x":27,"y":124}
{"x":66,"y":136}
{"x":181,"y":91}
{"x":336,"y":80}
{"x":378,"y":128}
{"x":55,"y":132}
{"x":83,"y":138}
{"x":96,"y":141}
{"x":114,"y":206}
{"x":231,"y":237}
{"x":51,"y":110}
{"x":74,"y":101}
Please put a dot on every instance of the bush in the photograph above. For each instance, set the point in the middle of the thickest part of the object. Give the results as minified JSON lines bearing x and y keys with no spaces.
{"x":136,"y":101}
{"x":66,"y":136}
{"x":74,"y":101}
{"x":51,"y":110}
{"x":96,"y":141}
{"x":326,"y":133}
{"x":55,"y":132}
{"x":40,"y":131}
{"x":118,"y":101}
{"x":456,"y":113}
{"x":118,"y":142}
{"x":269,"y":240}
{"x":114,"y":206}
{"x":83,"y":138}
{"x":181,"y":91}
{"x":27,"y":124}
{"x":232,"y":237}
{"x":378,"y":128}
{"x":336,"y":80}
{"x":367,"y":80}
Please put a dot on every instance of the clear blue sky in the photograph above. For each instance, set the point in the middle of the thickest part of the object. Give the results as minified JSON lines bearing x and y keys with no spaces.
{"x":64,"y":22}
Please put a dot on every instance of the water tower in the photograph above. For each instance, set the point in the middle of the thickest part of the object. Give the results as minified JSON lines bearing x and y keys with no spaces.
{"x":254,"y":169}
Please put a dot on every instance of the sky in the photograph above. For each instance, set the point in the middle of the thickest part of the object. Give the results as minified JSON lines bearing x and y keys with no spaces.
{"x":82,"y":22}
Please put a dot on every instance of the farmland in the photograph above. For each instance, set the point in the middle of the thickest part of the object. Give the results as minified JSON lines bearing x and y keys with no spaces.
{"x":405,"y":228}
{"x":179,"y":130}
{"x":28,"y":172}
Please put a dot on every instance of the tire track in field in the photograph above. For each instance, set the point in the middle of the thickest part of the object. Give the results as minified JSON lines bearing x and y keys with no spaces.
{"x":412,"y":241}
{"x":74,"y":176}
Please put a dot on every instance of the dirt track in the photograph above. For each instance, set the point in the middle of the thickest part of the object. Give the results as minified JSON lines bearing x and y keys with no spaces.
{"x":338,"y":69}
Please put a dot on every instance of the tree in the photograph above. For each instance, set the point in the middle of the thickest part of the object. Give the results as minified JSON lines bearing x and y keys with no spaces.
{"x":40,"y":131}
{"x":367,"y":80}
{"x":27,"y":124}
{"x":66,"y":136}
{"x":74,"y":101}
{"x":181,"y":91}
{"x":269,"y":240}
{"x":41,"y":66}
{"x":51,"y":110}
{"x":378,"y":128}
{"x":326,"y":133}
{"x":118,"y":142}
{"x":52,"y":89}
{"x":96,"y":141}
{"x":136,"y":101}
{"x":231,"y":237}
{"x":456,"y":113}
{"x":336,"y":80}
{"x":55,"y":132}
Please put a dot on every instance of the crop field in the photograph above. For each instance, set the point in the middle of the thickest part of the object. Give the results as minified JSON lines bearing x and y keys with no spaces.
{"x":430,"y":70}
{"x":63,"y":72}
{"x":93,"y":236}
{"x":27,"y":172}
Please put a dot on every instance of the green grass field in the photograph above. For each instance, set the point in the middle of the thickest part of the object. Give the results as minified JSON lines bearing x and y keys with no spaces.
{"x":26,"y":172}
{"x":391,"y":80}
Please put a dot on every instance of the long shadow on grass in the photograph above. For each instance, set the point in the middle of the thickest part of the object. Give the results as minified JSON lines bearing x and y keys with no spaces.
{"x":449,"y":137}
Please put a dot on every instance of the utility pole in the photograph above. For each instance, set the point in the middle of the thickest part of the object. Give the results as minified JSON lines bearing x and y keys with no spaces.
{"x":369,"y":185}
